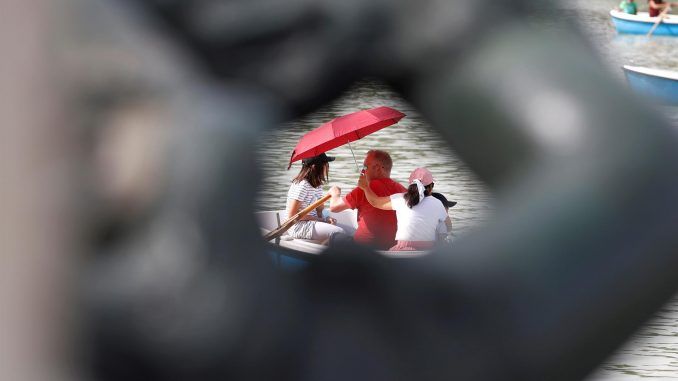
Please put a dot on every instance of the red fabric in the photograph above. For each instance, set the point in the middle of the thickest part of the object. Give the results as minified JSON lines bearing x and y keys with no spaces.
{"x":344,"y":129}
{"x":655,"y":12}
{"x":376,"y":227}
{"x":413,"y":246}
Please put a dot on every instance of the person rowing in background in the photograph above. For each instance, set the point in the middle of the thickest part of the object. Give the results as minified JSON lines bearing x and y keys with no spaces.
{"x":656,"y":7}
{"x":418,"y":214}
{"x":628,"y":6}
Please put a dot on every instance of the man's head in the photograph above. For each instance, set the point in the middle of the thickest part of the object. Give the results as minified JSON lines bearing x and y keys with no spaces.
{"x":377,"y":164}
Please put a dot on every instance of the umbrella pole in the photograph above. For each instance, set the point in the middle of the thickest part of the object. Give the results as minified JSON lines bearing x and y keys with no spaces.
{"x":354,"y":160}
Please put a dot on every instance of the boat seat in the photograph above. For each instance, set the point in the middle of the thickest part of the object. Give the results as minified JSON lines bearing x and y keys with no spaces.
{"x":348,"y":219}
{"x":268,"y":220}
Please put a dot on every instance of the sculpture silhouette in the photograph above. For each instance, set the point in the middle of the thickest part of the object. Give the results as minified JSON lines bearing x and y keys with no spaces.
{"x":580,"y":253}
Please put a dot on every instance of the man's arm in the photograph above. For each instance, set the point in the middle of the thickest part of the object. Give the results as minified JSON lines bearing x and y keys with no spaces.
{"x":378,"y":202}
{"x":337,"y":203}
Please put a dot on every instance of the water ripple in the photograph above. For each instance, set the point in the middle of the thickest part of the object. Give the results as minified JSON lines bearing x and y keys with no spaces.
{"x":412,"y":143}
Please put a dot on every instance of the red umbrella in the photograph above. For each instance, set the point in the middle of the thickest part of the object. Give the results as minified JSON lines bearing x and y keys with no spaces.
{"x":344,"y":129}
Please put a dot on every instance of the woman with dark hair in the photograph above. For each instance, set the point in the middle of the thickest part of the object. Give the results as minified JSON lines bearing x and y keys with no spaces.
{"x":417,"y":212}
{"x":306,"y":189}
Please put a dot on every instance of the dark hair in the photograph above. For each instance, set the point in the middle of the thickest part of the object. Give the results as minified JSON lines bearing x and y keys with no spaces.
{"x":412,"y":195}
{"x":315,"y":174}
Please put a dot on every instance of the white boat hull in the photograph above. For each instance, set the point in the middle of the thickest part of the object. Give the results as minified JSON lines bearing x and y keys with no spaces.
{"x":269,"y":220}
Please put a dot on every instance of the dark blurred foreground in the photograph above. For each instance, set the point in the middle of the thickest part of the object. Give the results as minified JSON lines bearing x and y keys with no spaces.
{"x":131,"y":251}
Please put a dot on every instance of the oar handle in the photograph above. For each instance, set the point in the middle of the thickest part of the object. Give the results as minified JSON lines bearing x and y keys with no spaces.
{"x":275,"y":233}
{"x":659,"y":20}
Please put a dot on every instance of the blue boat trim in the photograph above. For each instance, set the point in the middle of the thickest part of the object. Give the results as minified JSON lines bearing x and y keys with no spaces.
{"x":660,"y":85}
{"x":642,"y":23}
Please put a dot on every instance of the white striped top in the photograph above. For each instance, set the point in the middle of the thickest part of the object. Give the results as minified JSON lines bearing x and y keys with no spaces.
{"x":304,"y":192}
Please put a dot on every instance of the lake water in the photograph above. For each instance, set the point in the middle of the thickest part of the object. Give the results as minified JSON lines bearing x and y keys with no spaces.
{"x":653,"y":351}
{"x":411,"y":143}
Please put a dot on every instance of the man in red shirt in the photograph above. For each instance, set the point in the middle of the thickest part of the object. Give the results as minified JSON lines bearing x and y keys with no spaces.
{"x":376,"y":227}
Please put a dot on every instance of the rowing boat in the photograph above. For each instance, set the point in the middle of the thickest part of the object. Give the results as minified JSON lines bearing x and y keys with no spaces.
{"x":298,"y":252}
{"x":642,"y":23}
{"x":660,"y":85}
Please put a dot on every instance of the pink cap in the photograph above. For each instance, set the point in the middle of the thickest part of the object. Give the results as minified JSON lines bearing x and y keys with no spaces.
{"x":422,"y":174}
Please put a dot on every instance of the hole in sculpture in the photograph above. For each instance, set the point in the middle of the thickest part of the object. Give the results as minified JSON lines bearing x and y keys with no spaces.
{"x":411,"y":143}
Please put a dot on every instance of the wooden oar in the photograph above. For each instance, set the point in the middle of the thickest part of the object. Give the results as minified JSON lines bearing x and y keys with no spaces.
{"x":275,"y":233}
{"x":659,"y":20}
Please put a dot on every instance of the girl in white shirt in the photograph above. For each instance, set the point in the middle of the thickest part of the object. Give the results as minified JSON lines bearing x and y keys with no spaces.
{"x":417,"y":212}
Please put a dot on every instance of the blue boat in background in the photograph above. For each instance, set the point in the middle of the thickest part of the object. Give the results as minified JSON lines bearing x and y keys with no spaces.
{"x":661,"y":85}
{"x":642,"y":23}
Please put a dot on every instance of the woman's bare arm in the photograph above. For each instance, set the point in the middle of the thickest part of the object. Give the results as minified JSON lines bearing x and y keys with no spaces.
{"x":374,"y":200}
{"x":295,"y":207}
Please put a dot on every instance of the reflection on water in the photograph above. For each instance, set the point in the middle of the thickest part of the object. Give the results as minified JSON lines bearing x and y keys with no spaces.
{"x":653,"y":351}
{"x":412,"y":143}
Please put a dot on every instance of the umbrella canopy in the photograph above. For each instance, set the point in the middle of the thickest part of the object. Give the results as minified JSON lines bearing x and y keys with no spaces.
{"x":344,"y":129}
